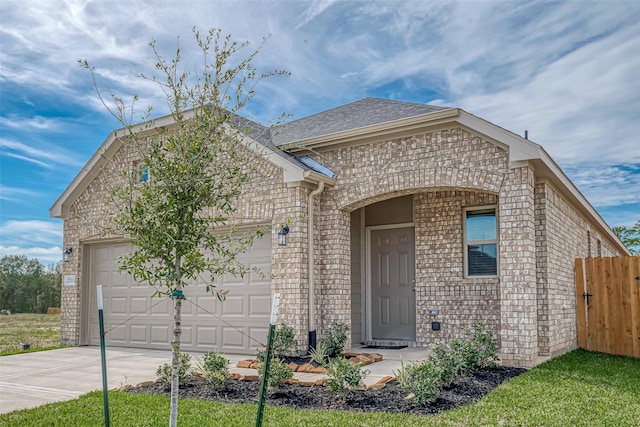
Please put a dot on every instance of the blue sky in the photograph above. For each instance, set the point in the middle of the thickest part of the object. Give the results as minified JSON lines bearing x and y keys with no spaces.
{"x":565,"y":71}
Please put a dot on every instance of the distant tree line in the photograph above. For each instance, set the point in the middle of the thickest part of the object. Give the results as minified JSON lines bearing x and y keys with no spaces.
{"x":27,"y":285}
{"x":630,"y":236}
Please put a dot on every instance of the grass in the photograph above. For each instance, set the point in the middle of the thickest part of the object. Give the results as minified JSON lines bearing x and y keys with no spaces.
{"x":40,"y":331}
{"x":578,"y":389}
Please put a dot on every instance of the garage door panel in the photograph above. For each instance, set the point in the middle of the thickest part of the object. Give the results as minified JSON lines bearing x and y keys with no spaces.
{"x":162,"y":309}
{"x":233,"y":306}
{"x":260,"y":306}
{"x":118,"y":305}
{"x":117,"y":334}
{"x":231,"y":281}
{"x":247,"y":306}
{"x":138,"y":305}
{"x":138,"y":334}
{"x":160,"y":334}
{"x":207,"y":306}
{"x":206,"y":336}
{"x":232,"y":338}
{"x":259,"y":334}
{"x":186,"y":338}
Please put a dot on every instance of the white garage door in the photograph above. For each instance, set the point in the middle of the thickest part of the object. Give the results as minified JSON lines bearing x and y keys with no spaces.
{"x":134,"y":319}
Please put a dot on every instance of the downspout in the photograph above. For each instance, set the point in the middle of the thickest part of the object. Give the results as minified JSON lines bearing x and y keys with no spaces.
{"x":310,"y":257}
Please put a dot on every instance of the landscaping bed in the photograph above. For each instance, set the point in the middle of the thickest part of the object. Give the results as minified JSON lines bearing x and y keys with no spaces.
{"x":391,"y":398}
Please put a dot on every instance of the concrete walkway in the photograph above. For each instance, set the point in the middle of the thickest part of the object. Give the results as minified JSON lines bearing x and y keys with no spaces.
{"x":33,"y":379}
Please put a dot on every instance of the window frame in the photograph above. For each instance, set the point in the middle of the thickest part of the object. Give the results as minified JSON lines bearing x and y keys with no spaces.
{"x":139,"y":173}
{"x":465,"y":242}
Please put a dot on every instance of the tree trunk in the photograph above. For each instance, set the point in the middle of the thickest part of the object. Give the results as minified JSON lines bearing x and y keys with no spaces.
{"x":175,"y":361}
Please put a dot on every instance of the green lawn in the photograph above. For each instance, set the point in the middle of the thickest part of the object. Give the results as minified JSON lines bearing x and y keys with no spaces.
{"x":40,"y":331}
{"x":577,"y":389}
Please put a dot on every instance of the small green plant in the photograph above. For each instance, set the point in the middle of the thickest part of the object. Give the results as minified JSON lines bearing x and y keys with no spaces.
{"x":448,"y":358}
{"x":215,"y":368}
{"x":476,"y":349}
{"x":319,"y":354}
{"x":284,"y":342}
{"x":405,"y":374}
{"x":344,"y":375}
{"x":278,"y":371}
{"x":423,"y":379}
{"x":427,"y":382}
{"x":481,"y":350}
{"x":184,"y":369}
{"x":336,"y":339}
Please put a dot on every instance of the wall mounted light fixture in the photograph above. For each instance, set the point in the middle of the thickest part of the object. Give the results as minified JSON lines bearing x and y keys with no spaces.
{"x":66,"y":253}
{"x":282,"y":235}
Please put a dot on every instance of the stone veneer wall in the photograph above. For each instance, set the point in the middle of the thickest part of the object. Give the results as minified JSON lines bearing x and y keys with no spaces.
{"x":440,"y":282}
{"x":446,"y":170}
{"x":561,"y":237}
{"x":518,"y":292}
{"x":269,"y":202}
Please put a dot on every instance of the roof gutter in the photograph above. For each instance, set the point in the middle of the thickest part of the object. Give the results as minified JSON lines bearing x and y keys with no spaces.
{"x":311,"y":260}
{"x":377,"y":130}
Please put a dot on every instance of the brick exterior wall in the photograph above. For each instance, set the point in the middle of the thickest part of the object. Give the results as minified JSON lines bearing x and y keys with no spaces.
{"x":530,"y":306}
{"x":561,"y":237}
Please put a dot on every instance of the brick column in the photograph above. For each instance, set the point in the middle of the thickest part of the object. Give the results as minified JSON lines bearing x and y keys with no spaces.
{"x":333,"y":265}
{"x":289,"y":263}
{"x":518,"y":336}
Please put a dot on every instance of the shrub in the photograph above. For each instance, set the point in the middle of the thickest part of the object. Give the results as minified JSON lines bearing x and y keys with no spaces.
{"x":284,"y":344}
{"x":476,"y":349}
{"x":336,"y":339}
{"x":344,"y":375}
{"x":284,"y":341}
{"x":448,"y":358}
{"x":278,"y":371}
{"x":482,"y":348}
{"x":184,"y":369}
{"x":427,"y":381}
{"x":319,"y":354}
{"x":215,"y":368}
{"x":405,"y":374}
{"x":423,"y":379}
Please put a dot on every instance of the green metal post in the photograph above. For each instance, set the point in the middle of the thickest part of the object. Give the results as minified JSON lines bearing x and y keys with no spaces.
{"x":103,"y":356}
{"x":265,"y":377}
{"x":275,"y":303}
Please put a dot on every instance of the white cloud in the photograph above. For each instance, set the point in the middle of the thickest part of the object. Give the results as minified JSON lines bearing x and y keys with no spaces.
{"x":313,"y":10}
{"x":26,"y":123}
{"x":50,"y":255}
{"x":605,"y":186}
{"x":41,"y":156}
{"x":34,"y":232}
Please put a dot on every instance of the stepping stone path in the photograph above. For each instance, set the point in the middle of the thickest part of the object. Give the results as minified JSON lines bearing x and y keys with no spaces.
{"x":308,"y":368}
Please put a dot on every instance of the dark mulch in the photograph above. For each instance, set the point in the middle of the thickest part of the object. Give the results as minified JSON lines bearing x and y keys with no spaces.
{"x":389,"y":399}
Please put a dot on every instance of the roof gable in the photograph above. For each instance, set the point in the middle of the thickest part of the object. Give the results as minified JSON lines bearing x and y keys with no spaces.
{"x":356,"y":115}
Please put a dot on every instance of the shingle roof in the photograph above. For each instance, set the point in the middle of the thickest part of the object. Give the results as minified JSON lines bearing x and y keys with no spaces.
{"x":366,"y":112}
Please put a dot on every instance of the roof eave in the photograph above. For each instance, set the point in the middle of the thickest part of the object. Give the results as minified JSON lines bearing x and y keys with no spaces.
{"x":377,"y":130}
{"x":521,"y":149}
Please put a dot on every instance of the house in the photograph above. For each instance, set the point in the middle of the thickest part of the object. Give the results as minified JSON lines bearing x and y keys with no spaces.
{"x":411,"y":222}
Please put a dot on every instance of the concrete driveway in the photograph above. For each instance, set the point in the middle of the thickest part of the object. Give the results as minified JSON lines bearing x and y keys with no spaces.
{"x":32,"y":379}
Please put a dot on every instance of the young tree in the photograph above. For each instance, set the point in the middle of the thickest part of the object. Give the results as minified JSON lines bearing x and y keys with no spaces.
{"x":192,"y":174}
{"x":630,"y":236}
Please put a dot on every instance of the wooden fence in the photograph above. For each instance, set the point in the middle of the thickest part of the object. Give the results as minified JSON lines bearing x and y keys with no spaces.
{"x":608,"y":305}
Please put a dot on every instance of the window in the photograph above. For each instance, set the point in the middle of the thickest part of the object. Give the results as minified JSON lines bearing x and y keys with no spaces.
{"x":481,"y":241}
{"x":142,"y":171}
{"x":599,"y":246}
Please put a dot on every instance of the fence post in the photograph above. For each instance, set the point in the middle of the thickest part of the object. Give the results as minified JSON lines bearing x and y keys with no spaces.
{"x":275,"y":303}
{"x":103,"y":357}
